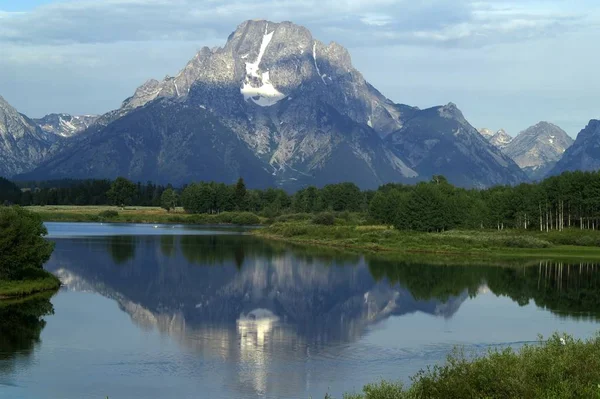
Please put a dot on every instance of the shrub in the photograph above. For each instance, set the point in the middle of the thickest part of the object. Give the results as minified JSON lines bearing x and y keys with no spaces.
{"x":324,"y":218}
{"x":108,"y":214}
{"x":245,"y":219}
{"x":21,"y":242}
{"x":294,"y":217}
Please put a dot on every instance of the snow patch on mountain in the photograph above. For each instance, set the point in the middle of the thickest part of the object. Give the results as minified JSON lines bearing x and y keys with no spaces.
{"x":314,"y":52}
{"x":258,"y":87}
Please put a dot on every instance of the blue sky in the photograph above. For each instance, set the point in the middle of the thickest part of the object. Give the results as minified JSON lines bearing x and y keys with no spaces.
{"x":507,"y":64}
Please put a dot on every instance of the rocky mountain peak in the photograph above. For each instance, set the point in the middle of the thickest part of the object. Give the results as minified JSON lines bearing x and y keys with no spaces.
{"x":584,"y":153}
{"x":65,"y":125}
{"x":501,"y":139}
{"x":22,"y":143}
{"x":487,"y":133}
{"x":537,"y":149}
{"x":591,"y":131}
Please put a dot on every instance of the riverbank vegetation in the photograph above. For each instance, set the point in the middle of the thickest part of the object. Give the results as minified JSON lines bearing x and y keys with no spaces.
{"x":560,"y":367}
{"x":571,"y":200}
{"x":23,"y":251}
{"x":553,"y":216}
{"x":568,"y":244}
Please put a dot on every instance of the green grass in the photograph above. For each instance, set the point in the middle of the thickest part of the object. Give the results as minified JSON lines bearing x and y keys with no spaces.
{"x":40,"y":281}
{"x":572,"y":244}
{"x":113,"y":214}
{"x":549,"y":369}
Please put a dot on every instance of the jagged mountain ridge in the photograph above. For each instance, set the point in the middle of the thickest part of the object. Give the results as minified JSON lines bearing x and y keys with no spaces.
{"x":65,"y":125}
{"x":304,"y":115}
{"x":584,"y":153}
{"x":298,"y":105}
{"x":537,"y":149}
{"x":22,"y":143}
{"x":439,"y":140}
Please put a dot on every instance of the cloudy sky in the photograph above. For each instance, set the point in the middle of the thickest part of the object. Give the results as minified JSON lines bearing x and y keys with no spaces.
{"x":506,"y":64}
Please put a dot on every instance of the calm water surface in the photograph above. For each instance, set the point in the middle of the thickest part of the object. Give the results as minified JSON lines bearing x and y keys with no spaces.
{"x":190,"y":312}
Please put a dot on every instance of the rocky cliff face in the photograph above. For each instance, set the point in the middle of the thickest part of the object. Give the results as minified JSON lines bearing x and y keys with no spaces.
{"x":23,"y":145}
{"x":584,"y":154}
{"x":537,"y":149}
{"x":439,"y":140}
{"x":65,"y":125}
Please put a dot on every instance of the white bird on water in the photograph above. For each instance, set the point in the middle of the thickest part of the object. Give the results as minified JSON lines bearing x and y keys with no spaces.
{"x":155,"y":226}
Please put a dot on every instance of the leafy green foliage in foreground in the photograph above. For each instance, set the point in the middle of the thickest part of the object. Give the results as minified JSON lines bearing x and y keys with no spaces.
{"x":22,"y":245}
{"x":559,"y":368}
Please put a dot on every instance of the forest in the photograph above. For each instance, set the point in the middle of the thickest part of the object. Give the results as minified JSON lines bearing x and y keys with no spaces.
{"x":571,"y":200}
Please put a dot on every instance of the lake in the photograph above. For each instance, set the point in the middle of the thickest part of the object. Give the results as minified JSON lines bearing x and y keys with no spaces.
{"x":190,"y":312}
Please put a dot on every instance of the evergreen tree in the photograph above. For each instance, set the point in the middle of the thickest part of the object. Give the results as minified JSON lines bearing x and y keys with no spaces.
{"x":239,"y":195}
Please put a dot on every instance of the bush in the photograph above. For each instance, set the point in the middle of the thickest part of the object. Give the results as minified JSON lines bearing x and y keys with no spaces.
{"x":560,"y":367}
{"x":22,"y":244}
{"x":108,"y":214}
{"x":324,"y":219}
{"x":525,"y":242}
{"x":294,"y":217}
{"x":245,"y":219}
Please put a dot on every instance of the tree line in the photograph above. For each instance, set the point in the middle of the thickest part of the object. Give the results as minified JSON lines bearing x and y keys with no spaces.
{"x":571,"y":200}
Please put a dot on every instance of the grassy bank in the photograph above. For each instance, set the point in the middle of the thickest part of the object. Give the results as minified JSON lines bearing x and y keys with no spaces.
{"x":558,"y":368}
{"x":40,"y":281}
{"x":156,"y":215}
{"x":573,"y":244}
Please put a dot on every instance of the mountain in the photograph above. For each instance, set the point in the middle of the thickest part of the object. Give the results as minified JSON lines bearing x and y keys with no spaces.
{"x":439,"y":140}
{"x":23,"y":145}
{"x":65,"y":125}
{"x":297,"y":105}
{"x":165,"y":141}
{"x":281,"y":108}
{"x":584,"y":154}
{"x":487,"y":133}
{"x":537,"y":149}
{"x":499,"y":139}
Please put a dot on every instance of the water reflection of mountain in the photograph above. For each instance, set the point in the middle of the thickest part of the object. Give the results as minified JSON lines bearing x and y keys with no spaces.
{"x":20,"y":326}
{"x":219,"y":280}
{"x":269,"y":308}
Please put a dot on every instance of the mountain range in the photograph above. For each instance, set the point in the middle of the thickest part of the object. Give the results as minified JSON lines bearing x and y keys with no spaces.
{"x":278,"y":108}
{"x":536,"y":149}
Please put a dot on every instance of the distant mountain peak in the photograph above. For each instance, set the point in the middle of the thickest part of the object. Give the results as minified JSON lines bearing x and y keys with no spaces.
{"x":499,"y":139}
{"x":65,"y":125}
{"x":537,"y":149}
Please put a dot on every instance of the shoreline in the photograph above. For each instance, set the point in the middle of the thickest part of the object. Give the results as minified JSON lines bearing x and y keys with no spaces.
{"x":16,"y":289}
{"x":433,"y":244}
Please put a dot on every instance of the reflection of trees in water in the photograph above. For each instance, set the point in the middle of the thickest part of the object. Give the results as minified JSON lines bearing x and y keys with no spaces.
{"x":122,"y":248}
{"x":565,"y":289}
{"x":20,"y":326}
{"x":429,"y":282}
